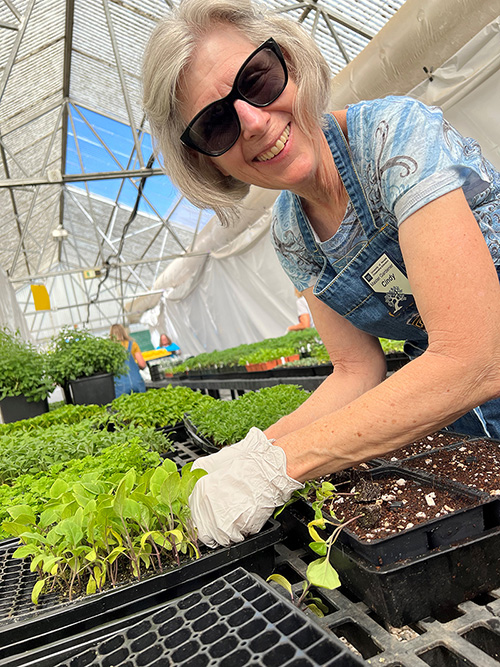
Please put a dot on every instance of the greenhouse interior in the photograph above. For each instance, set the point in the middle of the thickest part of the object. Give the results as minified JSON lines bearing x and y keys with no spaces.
{"x":231,"y":441}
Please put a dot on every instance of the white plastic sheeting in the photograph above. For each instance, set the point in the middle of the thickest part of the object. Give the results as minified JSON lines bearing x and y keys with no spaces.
{"x":237,"y":294}
{"x":11,"y":315}
{"x":467,"y":88}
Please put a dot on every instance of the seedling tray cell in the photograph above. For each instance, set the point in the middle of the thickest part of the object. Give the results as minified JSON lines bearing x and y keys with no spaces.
{"x":235,"y":620}
{"x":23,"y":626}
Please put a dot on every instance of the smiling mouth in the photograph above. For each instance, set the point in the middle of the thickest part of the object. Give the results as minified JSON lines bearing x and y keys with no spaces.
{"x":277,"y":148}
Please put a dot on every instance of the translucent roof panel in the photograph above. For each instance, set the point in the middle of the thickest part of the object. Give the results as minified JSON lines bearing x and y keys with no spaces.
{"x":74,"y":147}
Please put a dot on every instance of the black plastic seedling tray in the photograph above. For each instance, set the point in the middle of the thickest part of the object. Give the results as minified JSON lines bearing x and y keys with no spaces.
{"x":423,"y":537}
{"x":24,"y":627}
{"x":491,"y":506}
{"x":414,"y":588}
{"x":198,"y":439}
{"x":235,"y":620}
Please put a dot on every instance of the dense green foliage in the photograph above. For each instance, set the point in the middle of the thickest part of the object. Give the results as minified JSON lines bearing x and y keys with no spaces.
{"x":77,"y":353}
{"x":23,"y":368}
{"x":64,"y":414}
{"x":157,"y":408}
{"x":91,"y":531}
{"x":36,"y":451}
{"x":291,"y":343}
{"x":116,"y":459}
{"x":305,"y":342}
{"x":227,"y":422}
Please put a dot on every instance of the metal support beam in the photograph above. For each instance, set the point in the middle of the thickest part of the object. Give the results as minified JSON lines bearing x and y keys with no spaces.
{"x":121,"y":74}
{"x":80,"y":178}
{"x":13,"y":53}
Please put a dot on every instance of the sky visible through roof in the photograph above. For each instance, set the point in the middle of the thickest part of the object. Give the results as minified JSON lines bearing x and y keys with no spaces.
{"x":96,"y":158}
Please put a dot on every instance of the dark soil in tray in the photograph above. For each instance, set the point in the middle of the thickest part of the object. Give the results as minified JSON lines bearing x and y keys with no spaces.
{"x":475,"y":464}
{"x":393,"y":504}
{"x":433,"y":441}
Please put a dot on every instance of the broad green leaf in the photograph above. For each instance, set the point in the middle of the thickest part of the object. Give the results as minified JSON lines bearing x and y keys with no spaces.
{"x":321,"y":573}
{"x":70,"y":529}
{"x":58,"y":488}
{"x":22,"y":514}
{"x":282,"y":581}
{"x":319,"y":547}
{"x":169,"y":465}
{"x":25,"y":551}
{"x":314,"y":533}
{"x":170,"y":488}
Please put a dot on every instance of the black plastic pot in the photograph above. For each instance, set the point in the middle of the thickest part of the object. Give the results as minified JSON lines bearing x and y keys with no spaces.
{"x":25,"y":627}
{"x":235,"y":620}
{"x":423,"y":537}
{"x":412,"y":589}
{"x":15,"y":408}
{"x":197,"y":438}
{"x":96,"y":389}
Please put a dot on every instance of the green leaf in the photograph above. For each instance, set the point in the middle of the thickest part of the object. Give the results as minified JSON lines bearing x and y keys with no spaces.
{"x":319,"y":547}
{"x":321,"y":573}
{"x":22,"y":514}
{"x":282,"y":581}
{"x":37,"y":589}
{"x":315,"y":610}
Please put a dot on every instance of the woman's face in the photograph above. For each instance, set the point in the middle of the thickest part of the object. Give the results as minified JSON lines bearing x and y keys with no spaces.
{"x":271,"y":151}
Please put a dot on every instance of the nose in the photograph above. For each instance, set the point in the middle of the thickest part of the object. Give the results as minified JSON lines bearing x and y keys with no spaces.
{"x":253,"y":120}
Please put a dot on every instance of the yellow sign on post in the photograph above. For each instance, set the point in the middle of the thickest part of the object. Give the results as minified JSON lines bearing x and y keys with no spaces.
{"x":41,"y":297}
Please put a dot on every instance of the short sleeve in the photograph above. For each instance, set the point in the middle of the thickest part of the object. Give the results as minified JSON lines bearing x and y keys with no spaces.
{"x":297,"y":261}
{"x":135,"y":348}
{"x":412,"y":155}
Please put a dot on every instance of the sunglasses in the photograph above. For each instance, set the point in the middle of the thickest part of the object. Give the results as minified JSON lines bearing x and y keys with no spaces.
{"x":260,"y":80}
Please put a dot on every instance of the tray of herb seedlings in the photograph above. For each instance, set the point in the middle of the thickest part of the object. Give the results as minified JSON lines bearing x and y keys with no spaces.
{"x":102,"y":549}
{"x":216,"y":423}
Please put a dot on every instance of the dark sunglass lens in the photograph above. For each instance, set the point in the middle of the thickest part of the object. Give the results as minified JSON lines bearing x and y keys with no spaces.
{"x":216,"y":129}
{"x":263,"y":79}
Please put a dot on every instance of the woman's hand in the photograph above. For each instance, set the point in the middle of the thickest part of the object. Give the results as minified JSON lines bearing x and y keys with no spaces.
{"x":245,"y":482}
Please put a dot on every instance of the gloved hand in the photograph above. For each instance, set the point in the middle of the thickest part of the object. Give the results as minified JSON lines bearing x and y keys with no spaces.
{"x":245,"y":482}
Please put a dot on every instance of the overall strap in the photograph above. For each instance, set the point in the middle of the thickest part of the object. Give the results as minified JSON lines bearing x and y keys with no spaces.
{"x":129,"y":348}
{"x":343,"y":161}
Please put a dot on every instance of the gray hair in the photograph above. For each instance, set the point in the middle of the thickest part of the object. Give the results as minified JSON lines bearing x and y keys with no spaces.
{"x":169,"y":51}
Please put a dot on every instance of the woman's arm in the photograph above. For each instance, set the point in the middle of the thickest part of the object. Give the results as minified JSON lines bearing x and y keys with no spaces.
{"x":359,"y":364}
{"x":140,"y":360}
{"x":303,"y":323}
{"x":457,"y":292}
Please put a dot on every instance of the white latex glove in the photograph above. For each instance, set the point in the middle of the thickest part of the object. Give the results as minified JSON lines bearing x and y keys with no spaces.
{"x":245,"y":482}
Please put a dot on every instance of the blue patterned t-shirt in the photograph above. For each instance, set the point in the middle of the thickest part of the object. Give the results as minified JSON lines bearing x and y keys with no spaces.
{"x":406,"y":155}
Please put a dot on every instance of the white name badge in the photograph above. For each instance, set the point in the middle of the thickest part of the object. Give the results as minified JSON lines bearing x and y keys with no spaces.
{"x":390,"y":284}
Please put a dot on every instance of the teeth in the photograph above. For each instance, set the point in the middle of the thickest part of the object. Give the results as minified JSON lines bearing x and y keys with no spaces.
{"x":277,"y":148}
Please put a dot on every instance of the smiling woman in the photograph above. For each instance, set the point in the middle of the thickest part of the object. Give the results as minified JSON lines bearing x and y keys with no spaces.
{"x":168,"y":63}
{"x":380,"y":204}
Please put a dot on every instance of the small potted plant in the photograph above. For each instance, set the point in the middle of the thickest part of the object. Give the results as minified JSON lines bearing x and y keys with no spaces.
{"x":24,"y":379}
{"x":84,"y":365}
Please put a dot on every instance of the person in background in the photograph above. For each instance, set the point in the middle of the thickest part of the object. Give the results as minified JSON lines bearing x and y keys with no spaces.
{"x":132,"y":381}
{"x":388,"y":221}
{"x":303,"y":312}
{"x":167,"y":344}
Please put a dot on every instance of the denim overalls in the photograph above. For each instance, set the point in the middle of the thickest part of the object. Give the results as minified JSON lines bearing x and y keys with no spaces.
{"x":372,"y":290}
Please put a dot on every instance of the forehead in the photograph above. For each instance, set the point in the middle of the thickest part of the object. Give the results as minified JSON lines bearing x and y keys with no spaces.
{"x":213,"y":66}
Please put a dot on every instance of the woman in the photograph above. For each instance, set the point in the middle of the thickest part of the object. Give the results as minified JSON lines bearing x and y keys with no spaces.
{"x":167,"y":344}
{"x":132,"y":381}
{"x":388,"y":222}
